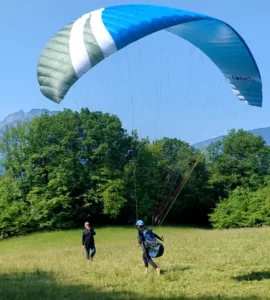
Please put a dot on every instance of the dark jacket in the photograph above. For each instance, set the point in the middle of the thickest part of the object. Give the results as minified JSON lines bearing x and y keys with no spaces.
{"x":88,"y":238}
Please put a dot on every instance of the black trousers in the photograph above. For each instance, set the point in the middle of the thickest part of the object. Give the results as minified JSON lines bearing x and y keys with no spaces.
{"x":148,"y":260}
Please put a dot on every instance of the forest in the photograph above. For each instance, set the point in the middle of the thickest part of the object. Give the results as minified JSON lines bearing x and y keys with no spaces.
{"x":64,"y":169}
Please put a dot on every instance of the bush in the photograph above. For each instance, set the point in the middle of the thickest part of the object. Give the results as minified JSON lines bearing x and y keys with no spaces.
{"x":243,"y":208}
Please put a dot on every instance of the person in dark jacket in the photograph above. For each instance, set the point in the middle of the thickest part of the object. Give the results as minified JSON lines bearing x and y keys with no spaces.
{"x":146,"y":257}
{"x":88,"y":241}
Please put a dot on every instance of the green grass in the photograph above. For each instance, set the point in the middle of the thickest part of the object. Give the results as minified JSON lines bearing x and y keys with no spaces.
{"x":198,"y":264}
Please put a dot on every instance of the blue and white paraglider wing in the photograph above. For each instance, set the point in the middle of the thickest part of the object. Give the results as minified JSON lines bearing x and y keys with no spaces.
{"x":85,"y":42}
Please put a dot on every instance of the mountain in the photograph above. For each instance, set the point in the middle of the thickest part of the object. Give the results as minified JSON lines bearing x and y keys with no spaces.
{"x":264,"y":132}
{"x":22,"y":116}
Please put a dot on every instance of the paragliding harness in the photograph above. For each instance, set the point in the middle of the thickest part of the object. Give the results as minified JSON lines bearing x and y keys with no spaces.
{"x":152,"y":246}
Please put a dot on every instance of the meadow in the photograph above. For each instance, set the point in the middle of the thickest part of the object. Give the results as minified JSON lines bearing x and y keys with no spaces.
{"x":197,"y":264}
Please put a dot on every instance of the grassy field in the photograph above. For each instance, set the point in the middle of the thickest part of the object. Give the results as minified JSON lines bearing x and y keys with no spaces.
{"x":198,"y":264}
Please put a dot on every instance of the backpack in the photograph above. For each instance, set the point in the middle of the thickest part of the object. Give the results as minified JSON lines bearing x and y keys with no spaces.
{"x":153,"y":247}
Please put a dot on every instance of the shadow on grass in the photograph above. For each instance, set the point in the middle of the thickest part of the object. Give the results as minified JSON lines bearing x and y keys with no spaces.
{"x":253,"y":276}
{"x":41,"y":285}
{"x":179,"y":268}
{"x":175,"y":268}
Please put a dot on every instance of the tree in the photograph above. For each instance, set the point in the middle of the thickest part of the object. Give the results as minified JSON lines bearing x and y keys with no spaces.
{"x":161,"y":167}
{"x":14,"y":211}
{"x":68,"y":166}
{"x":240,"y":159}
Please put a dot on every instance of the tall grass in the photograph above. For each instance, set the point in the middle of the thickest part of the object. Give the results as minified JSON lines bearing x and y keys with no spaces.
{"x":197,"y":264}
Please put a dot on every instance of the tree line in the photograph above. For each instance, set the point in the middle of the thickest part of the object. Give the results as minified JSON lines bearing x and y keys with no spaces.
{"x":63,"y":169}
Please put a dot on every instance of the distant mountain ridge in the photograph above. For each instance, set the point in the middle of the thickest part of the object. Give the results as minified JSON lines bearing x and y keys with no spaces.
{"x":22,"y":116}
{"x":263,"y":132}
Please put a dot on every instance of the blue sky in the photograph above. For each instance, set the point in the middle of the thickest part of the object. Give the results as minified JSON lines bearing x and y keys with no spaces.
{"x":161,"y":85}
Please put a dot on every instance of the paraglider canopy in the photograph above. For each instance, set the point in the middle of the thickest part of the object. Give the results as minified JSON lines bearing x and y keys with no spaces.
{"x":82,"y":44}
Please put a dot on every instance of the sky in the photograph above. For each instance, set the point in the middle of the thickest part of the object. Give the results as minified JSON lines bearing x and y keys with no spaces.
{"x":160,"y":85}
